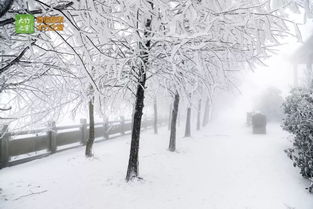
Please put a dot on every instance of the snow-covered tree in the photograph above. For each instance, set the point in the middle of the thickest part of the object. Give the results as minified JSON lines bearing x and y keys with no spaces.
{"x":157,"y":33}
{"x":180,"y":44}
{"x":25,"y":64}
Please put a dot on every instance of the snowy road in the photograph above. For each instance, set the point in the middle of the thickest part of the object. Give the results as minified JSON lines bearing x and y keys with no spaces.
{"x":218,"y":168}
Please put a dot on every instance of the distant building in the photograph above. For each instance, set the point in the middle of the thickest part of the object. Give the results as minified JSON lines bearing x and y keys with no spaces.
{"x":302,"y":60}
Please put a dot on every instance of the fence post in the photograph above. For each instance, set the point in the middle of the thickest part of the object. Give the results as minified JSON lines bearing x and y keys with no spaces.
{"x":83,"y":129}
{"x":122,"y":125}
{"x":106,"y":129}
{"x":52,"y":136}
{"x":4,"y":146}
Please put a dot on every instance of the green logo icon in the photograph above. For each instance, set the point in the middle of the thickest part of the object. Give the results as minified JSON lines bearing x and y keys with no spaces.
{"x":24,"y":23}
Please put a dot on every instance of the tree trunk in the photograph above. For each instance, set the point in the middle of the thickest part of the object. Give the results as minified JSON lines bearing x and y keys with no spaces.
{"x":91,"y":138}
{"x":187,"y":129}
{"x":206,"y":112}
{"x":132,"y":170}
{"x":155,"y":125}
{"x":172,"y":146}
{"x":199,"y":115}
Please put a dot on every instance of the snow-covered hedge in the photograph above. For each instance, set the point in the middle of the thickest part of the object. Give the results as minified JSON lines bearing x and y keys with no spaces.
{"x":298,"y":120}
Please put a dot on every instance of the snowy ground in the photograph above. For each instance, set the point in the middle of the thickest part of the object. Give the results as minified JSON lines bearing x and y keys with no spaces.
{"x":221,"y":167}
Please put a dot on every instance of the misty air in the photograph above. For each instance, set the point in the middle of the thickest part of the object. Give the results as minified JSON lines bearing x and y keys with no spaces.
{"x":156,"y":104}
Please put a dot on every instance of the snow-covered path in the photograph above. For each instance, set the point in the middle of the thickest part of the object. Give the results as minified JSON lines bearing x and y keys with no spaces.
{"x":221,"y":167}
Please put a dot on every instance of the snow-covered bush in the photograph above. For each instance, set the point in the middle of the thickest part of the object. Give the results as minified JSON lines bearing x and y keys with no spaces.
{"x":298,"y":120}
